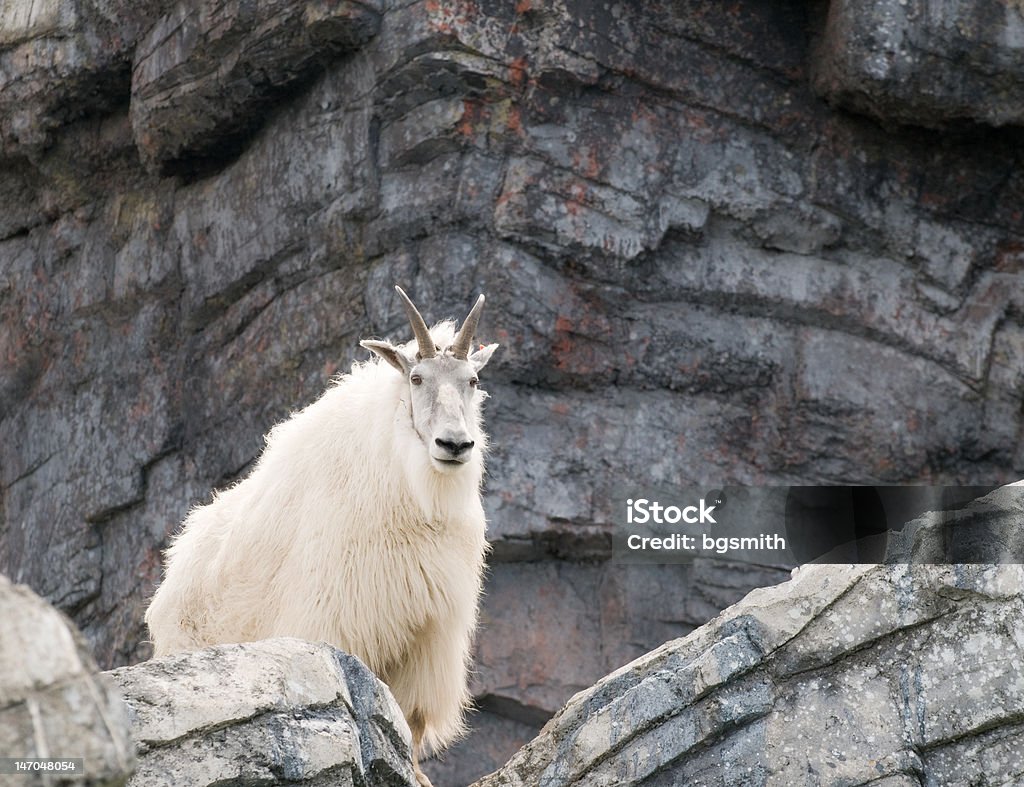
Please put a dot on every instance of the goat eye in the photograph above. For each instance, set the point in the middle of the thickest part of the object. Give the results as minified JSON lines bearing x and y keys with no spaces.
{"x":416,"y":379}
{"x":473,"y":381}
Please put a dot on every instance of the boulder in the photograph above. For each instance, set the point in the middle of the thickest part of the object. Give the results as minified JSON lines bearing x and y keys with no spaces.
{"x":894,"y":675}
{"x":54,"y":702}
{"x":280,"y":711}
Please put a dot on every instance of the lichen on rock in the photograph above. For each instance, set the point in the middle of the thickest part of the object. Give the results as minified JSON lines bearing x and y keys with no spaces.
{"x":844,"y":675}
{"x":279,"y":711}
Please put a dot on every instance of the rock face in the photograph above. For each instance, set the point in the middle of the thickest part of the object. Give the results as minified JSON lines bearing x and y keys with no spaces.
{"x":204,"y":74}
{"x":888,"y":675}
{"x":53,"y":701}
{"x":280,"y":711}
{"x":701,"y":271}
{"x":924,"y":62}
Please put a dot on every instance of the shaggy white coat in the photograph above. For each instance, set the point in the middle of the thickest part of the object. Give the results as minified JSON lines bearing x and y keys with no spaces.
{"x":343,"y":533}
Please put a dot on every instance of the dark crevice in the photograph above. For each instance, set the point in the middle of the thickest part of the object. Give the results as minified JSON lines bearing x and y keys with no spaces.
{"x":219,"y":150}
{"x":307,"y":711}
{"x":510,"y":708}
{"x":1003,"y":725}
{"x":171,"y":446}
{"x":913,"y":774}
{"x":20,"y":232}
{"x":859,"y":649}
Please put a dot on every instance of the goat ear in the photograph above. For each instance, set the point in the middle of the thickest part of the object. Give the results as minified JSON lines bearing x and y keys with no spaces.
{"x":388,"y":352}
{"x":480,"y":358}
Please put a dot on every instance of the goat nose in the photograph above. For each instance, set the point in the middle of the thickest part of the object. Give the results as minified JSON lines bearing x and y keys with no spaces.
{"x":453,"y":447}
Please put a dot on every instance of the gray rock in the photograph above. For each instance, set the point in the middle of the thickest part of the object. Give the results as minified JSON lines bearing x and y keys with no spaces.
{"x":923,"y":62}
{"x":280,"y":711}
{"x":202,"y":76}
{"x":549,"y":629}
{"x":844,"y":675}
{"x":54,"y":703}
{"x":61,"y":62}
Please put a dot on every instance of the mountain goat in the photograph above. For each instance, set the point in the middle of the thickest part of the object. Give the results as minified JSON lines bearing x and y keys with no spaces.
{"x":361,"y":525}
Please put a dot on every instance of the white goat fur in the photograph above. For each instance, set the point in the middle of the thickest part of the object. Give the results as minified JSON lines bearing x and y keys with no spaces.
{"x":343,"y":533}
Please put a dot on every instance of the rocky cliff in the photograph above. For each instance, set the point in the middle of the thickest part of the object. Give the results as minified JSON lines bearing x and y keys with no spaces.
{"x":746,"y":242}
{"x":885,"y":675}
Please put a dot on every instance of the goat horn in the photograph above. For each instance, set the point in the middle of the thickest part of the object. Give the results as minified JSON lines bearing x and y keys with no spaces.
{"x":462,"y":343}
{"x":419,"y":327}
